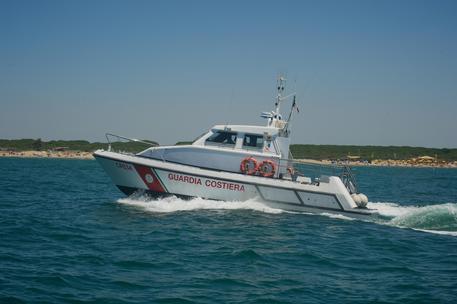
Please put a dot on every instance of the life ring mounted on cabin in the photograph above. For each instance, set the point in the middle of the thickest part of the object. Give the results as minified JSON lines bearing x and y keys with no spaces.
{"x":267,"y":168}
{"x":248,"y":165}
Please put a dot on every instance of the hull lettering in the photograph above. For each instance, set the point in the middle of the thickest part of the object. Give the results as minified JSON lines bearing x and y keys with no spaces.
{"x":209,"y":183}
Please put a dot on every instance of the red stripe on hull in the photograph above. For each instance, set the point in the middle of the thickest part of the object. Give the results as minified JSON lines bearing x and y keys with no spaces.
{"x":149,"y":178}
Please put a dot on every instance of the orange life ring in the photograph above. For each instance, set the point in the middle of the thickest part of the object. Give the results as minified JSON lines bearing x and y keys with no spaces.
{"x":267,"y":168}
{"x":248,"y":165}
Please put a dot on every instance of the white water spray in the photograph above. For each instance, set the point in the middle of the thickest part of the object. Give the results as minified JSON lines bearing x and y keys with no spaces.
{"x":174,"y":204}
{"x":438,"y":219}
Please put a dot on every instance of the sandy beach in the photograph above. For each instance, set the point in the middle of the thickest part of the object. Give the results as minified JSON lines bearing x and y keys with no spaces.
{"x":374,"y":163}
{"x":385,"y":163}
{"x":48,"y":154}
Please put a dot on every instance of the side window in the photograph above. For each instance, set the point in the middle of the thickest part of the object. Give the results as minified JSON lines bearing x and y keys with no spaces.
{"x":221,"y":138}
{"x":253,"y":142}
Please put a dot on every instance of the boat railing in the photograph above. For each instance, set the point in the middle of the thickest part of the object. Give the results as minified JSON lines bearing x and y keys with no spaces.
{"x":122,"y":142}
{"x":315,"y":172}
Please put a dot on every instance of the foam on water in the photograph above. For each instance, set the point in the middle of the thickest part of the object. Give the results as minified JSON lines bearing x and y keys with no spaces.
{"x":452,"y":233}
{"x":337,"y":216}
{"x":174,"y":204}
{"x":390,"y":210}
{"x":438,"y":219}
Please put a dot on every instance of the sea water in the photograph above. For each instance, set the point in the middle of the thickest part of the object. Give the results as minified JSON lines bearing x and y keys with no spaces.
{"x":67,"y":235}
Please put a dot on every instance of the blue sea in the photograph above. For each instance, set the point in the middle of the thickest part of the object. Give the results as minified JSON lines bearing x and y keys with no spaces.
{"x":67,"y":235}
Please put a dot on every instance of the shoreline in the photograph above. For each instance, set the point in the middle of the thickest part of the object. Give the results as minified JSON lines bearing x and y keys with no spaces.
{"x":384,"y":163}
{"x":48,"y":154}
{"x":374,"y":163}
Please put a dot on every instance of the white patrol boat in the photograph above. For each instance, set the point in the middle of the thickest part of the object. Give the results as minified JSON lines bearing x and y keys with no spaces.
{"x":238,"y":163}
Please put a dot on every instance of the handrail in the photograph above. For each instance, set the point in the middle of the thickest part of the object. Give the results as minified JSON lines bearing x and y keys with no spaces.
{"x":311,"y":163}
{"x":107,"y":135}
{"x":349,"y":180}
{"x":343,"y":171}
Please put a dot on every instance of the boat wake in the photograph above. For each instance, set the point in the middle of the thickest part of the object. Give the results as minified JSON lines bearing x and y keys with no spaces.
{"x":438,"y":219}
{"x":175,"y":204}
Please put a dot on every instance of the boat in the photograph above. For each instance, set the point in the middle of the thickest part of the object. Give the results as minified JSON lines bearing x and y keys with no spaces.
{"x":238,"y":163}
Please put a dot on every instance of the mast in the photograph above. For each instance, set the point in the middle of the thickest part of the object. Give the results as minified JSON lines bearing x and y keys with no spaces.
{"x":274,"y":117}
{"x":281,"y":85}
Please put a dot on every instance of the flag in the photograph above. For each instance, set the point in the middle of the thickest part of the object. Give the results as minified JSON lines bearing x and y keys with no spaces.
{"x":294,"y":105}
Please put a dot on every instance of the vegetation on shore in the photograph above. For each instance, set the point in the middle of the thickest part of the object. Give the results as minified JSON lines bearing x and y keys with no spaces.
{"x":317,"y":152}
{"x":71,"y":145}
{"x":320,"y":152}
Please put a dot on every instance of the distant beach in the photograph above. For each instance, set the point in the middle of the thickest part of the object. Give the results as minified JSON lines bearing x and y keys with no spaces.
{"x":385,"y":156}
{"x":48,"y":154}
{"x":412,"y":163}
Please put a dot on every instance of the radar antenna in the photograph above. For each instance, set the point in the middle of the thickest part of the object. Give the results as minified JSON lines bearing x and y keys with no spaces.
{"x":274,"y":117}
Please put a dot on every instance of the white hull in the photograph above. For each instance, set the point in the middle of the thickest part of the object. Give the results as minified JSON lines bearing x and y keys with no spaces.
{"x":160,"y":178}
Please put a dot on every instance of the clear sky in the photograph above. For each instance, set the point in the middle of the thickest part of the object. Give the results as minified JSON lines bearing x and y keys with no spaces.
{"x":366,"y":72}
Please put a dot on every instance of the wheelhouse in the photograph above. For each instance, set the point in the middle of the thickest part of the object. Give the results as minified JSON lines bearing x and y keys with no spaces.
{"x":252,"y":139}
{"x":224,"y":147}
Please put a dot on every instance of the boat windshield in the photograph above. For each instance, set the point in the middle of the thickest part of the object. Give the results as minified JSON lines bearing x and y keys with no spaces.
{"x":222,"y":138}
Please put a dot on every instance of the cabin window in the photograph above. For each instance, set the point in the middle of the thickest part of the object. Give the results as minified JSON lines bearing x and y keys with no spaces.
{"x":253,"y":142}
{"x":221,"y":138}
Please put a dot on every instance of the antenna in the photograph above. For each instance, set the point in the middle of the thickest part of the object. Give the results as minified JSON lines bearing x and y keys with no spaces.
{"x":281,"y":85}
{"x":274,"y":117}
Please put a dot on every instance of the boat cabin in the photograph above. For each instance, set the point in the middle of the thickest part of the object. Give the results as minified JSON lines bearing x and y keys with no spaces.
{"x":224,"y":147}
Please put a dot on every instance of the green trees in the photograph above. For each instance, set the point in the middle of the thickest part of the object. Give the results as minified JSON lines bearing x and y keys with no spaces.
{"x":318,"y":152}
{"x":37,"y":145}
{"x":370,"y":152}
{"x":72,"y":145}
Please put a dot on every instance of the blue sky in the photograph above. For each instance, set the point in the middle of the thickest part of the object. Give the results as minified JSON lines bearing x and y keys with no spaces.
{"x":366,"y":72}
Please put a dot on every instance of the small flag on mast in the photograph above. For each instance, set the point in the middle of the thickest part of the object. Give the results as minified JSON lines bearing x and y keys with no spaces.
{"x":294,"y":105}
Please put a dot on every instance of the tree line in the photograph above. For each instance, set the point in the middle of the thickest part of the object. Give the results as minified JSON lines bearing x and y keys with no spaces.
{"x":317,"y":152}
{"x":335,"y":152}
{"x":71,"y":145}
